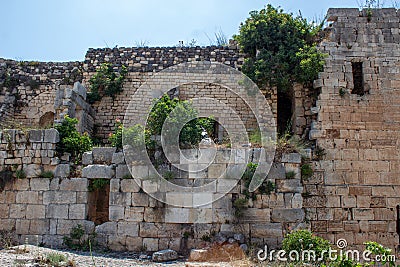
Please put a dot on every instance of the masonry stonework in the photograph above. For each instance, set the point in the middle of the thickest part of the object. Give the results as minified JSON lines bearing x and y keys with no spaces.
{"x":353,"y":193}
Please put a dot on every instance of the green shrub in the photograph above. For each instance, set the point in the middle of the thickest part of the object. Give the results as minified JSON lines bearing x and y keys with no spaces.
{"x":106,"y":82}
{"x":55,"y":259}
{"x":78,"y":239}
{"x":178,"y":111}
{"x":304,"y":240}
{"x":98,"y":184}
{"x":280,"y":48}
{"x":290,"y":174}
{"x":71,"y":141}
{"x":306,"y":171}
{"x":47,"y":174}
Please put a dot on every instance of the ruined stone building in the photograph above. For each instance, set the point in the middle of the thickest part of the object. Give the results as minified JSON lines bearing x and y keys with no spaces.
{"x":352,"y":124}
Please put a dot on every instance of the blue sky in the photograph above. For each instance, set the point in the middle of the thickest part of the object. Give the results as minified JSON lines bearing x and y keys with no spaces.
{"x":63,"y":30}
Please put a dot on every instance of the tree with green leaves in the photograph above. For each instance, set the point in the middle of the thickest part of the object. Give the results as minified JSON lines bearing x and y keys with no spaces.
{"x":281,"y":48}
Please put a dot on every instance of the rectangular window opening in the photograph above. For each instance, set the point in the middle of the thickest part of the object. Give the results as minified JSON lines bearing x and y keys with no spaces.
{"x":358,"y":78}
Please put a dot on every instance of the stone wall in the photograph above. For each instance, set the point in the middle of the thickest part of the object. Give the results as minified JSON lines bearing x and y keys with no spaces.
{"x":28,"y":89}
{"x":355,"y":191}
{"x":32,"y":152}
{"x":45,"y":210}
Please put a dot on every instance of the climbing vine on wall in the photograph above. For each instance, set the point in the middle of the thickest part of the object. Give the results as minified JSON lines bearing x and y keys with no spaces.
{"x":281,"y":48}
{"x":106,"y":82}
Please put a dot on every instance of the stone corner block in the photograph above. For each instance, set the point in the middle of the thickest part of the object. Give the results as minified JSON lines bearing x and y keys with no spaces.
{"x":87,"y":158}
{"x":103,"y":154}
{"x":62,"y":171}
{"x":98,"y":171}
{"x":51,"y":136}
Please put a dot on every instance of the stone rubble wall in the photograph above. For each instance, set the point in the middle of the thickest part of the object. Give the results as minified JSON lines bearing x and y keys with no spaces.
{"x":33,"y":151}
{"x":355,"y":190}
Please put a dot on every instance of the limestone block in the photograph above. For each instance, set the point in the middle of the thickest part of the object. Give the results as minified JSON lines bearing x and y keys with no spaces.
{"x":140,"y":171}
{"x":202,"y":200}
{"x":151,"y":244}
{"x":128,"y":229}
{"x":32,"y":170}
{"x":266,"y":230}
{"x":35,"y":211}
{"x":115,"y":185}
{"x":87,"y":158}
{"x":223,"y":156}
{"x":277,"y":171}
{"x":122,"y":171}
{"x":116,"y":213}
{"x":118,"y":158}
{"x":28,"y":197}
{"x":74,"y":184}
{"x":62,"y":171}
{"x":98,"y":171}
{"x":216,"y":170}
{"x":179,"y":199}
{"x":289,"y":185}
{"x":134,"y":214}
{"x":22,"y":227}
{"x":80,"y":90}
{"x":77,"y":212}
{"x":117,"y":243}
{"x":134,"y":243}
{"x":103,"y":155}
{"x":17,"y":211}
{"x":363,"y":214}
{"x":140,"y":200}
{"x":291,"y":158}
{"x":51,"y":136}
{"x":35,"y":136}
{"x":120,"y":199}
{"x":256,"y":215}
{"x":177,"y":215}
{"x":287,"y":215}
{"x":59,"y":197}
{"x":21,"y":184}
{"x":165,"y":255}
{"x":129,"y":185}
{"x":38,"y":227}
{"x":54,"y":211}
{"x":107,"y":228}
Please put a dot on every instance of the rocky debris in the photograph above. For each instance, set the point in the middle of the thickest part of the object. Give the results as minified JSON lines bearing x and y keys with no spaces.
{"x":165,"y":255}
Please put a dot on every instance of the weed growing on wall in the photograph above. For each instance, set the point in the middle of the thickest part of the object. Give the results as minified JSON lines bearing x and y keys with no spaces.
{"x":71,"y":141}
{"x":106,"y":82}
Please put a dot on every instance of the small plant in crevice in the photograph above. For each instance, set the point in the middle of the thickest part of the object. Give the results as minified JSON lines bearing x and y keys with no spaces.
{"x":78,"y":239}
{"x":306,"y":171}
{"x":206,"y":238}
{"x":266,"y":187}
{"x":127,"y":176}
{"x":342,"y":92}
{"x":319,"y":153}
{"x":47,"y":174}
{"x":288,"y":143}
{"x":290,"y":174}
{"x":169,"y":175}
{"x":98,"y":184}
{"x":240,"y":205}
{"x":20,"y":174}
